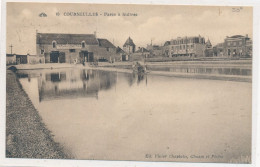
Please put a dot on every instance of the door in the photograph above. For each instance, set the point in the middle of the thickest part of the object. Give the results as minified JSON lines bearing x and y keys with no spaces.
{"x":54,"y":57}
{"x":83,"y":56}
{"x":90,"y":57}
{"x":123,"y":57}
{"x":18,"y":60}
{"x":62,"y":58}
{"x":23,"y":59}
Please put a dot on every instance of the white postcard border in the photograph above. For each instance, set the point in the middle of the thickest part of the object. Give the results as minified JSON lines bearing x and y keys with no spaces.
{"x":42,"y":162}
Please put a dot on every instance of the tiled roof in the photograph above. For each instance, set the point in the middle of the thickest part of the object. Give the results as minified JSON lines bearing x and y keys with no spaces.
{"x":208,"y":43}
{"x":187,"y":38}
{"x":9,"y":55}
{"x":105,"y":43}
{"x":47,"y":38}
{"x":167,"y":43}
{"x":129,"y":41}
{"x":236,"y":36}
{"x":119,"y":50}
{"x":141,"y":50}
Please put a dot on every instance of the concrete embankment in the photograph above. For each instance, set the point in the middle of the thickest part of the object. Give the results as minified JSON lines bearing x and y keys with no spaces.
{"x":126,"y":67}
{"x":26,"y":134}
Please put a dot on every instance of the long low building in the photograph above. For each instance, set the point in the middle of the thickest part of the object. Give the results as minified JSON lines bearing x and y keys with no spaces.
{"x":12,"y":59}
{"x":74,"y":48}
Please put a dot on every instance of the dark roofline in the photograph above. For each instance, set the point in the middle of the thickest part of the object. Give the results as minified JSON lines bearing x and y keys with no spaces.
{"x":62,"y":38}
{"x":9,"y":55}
{"x":188,"y":37}
{"x":237,"y":36}
{"x":119,"y":50}
{"x":105,"y":43}
{"x":62,"y":34}
{"x":129,"y":41}
{"x":167,"y":43}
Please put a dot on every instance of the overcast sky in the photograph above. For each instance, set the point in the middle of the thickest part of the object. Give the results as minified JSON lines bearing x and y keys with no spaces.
{"x":153,"y":22}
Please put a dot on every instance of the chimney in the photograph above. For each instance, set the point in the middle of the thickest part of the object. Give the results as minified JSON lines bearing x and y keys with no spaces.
{"x":247,"y":35}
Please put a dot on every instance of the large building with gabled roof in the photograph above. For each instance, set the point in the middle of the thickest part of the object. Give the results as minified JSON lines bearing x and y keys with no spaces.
{"x":73,"y":48}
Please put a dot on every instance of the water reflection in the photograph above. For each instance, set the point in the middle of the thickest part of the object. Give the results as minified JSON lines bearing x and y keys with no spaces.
{"x":135,"y":78}
{"x":69,"y":84}
{"x":204,"y":70}
{"x":75,"y":83}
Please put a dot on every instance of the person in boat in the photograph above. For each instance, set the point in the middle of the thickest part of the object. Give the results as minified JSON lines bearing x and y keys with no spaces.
{"x":137,"y":67}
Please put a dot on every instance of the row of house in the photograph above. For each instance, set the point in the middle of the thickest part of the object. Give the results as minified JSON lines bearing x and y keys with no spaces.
{"x":134,"y":54}
{"x":195,"y":46}
{"x":12,"y":59}
{"x":233,"y":46}
{"x":81,"y":48}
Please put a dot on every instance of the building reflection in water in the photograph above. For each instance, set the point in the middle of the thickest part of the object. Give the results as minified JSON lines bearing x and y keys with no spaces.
{"x":60,"y":84}
{"x":135,"y":78}
{"x":74,"y":84}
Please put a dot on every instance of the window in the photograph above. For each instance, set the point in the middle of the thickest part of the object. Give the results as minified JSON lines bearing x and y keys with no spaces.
{"x":54,"y":44}
{"x":240,"y":43}
{"x":83,"y":44}
{"x":42,"y":51}
{"x":228,"y":43}
{"x":234,"y":43}
{"x":72,"y":50}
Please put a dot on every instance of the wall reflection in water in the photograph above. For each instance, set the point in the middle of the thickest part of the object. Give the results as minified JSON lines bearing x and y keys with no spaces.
{"x":204,"y":70}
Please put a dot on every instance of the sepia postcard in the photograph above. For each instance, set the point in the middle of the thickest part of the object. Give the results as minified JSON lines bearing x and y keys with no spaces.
{"x":129,"y":82}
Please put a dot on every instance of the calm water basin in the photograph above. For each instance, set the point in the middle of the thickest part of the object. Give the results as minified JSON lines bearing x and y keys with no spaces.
{"x":109,"y":115}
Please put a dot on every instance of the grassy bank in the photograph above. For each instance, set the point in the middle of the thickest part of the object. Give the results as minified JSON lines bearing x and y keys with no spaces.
{"x":26,"y":134}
